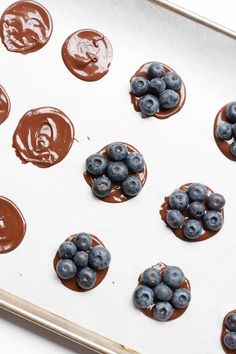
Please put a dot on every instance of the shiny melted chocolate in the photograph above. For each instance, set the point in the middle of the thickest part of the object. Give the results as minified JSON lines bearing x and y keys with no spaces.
{"x":25,"y":27}
{"x":224,"y":331}
{"x":43,"y":137}
{"x":12,"y":226}
{"x":163,"y":113}
{"x":5,"y":105}
{"x":71,"y":283}
{"x":87,"y":54}
{"x":116,"y":195}
{"x":179,"y":232}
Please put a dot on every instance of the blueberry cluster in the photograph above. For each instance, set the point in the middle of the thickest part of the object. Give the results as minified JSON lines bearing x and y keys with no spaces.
{"x":162,"y":292}
{"x":160,"y":91}
{"x":199,"y":208}
{"x":227,"y":130}
{"x":119,"y":169}
{"x":79,"y":259}
{"x":230,"y":336}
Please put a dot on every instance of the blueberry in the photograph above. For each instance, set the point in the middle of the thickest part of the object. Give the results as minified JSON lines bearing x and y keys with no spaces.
{"x":102,"y":187}
{"x":162,"y":311}
{"x":117,"y":151}
{"x":213,"y":220}
{"x":192,"y":229}
{"x":230,"y":321}
{"x":178,"y":200}
{"x":169,"y":99}
{"x":81,"y":259}
{"x":232,"y":148}
{"x":117,"y":171}
{"x":197,"y":192}
{"x":135,"y":162}
{"x":86,"y":278}
{"x":216,"y":201}
{"x":96,"y":164}
{"x":67,"y":250}
{"x":157,"y":86}
{"x":83,"y":241}
{"x":234,"y":130}
{"x":151,"y":277}
{"x":231,"y":112}
{"x":173,"y":276}
{"x":163,"y":292}
{"x":230,"y":340}
{"x":224,"y":131}
{"x":173,"y":81}
{"x":66,"y":269}
{"x":139,"y":86}
{"x":149,"y":105}
{"x":99,"y":258}
{"x":181,"y":298}
{"x":143,"y":297}
{"x":155,"y":70}
{"x":196,"y":210}
{"x":174,"y":218}
{"x":131,"y":186}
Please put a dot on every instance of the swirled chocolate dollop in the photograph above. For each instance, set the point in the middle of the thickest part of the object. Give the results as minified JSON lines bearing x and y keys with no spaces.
{"x":87,"y":54}
{"x":25,"y":27}
{"x":43,"y":137}
{"x":5,"y":105}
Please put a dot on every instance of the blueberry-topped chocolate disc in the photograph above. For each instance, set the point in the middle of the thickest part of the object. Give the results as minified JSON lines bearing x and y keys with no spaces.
{"x":228,"y":333}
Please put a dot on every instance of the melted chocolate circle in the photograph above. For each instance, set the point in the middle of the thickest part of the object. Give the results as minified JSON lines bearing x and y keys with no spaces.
{"x":179,"y":232}
{"x":224,"y":331}
{"x":43,"y":137}
{"x":5,"y":105}
{"x":87,"y":54}
{"x":71,"y":283}
{"x":12,"y":226}
{"x":163,"y":113}
{"x":25,"y":27}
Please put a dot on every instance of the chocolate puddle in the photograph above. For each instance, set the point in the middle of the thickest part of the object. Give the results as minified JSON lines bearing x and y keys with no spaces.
{"x":223,"y":333}
{"x":5,"y":105}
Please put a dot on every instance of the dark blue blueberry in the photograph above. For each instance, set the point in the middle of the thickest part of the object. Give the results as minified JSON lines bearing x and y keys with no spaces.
{"x":197,"y":192}
{"x":173,"y":81}
{"x":234,"y":130}
{"x":196,"y":210}
{"x":230,"y":340}
{"x":216,"y":201}
{"x":174,"y":218}
{"x":155,"y":70}
{"x":139,"y":86}
{"x":131,"y":186}
{"x":178,"y":200}
{"x":99,"y":257}
{"x":181,"y":298}
{"x":96,"y":164}
{"x":102,"y":186}
{"x":117,"y":151}
{"x":173,"y":276}
{"x":83,"y":241}
{"x":169,"y":99}
{"x":231,"y":112}
{"x":232,"y":148}
{"x":213,"y":220}
{"x":86,"y":278}
{"x":66,"y":269}
{"x":163,"y":292}
{"x":192,"y":229}
{"x":67,"y":250}
{"x":143,"y":297}
{"x":117,"y":171}
{"x":230,"y":321}
{"x":162,"y":311}
{"x":81,"y":259}
{"x":157,"y":86}
{"x":149,"y":105}
{"x":151,"y":277}
{"x":135,"y":162}
{"x":224,"y":131}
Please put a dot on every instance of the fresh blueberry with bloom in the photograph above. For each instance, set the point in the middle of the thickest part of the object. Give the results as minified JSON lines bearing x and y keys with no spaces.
{"x":135,"y":162}
{"x":117,"y":171}
{"x":173,"y":276}
{"x":131,"y":186}
{"x":197,"y":192}
{"x":102,"y":186}
{"x":143,"y":297}
{"x":83,"y":241}
{"x":96,"y":165}
{"x":117,"y":151}
{"x":213,"y":220}
{"x":178,"y":200}
{"x":232,"y":148}
{"x":157,"y":86}
{"x":163,"y":292}
{"x":67,"y":250}
{"x":149,"y":105}
{"x":224,"y":131}
{"x":192,"y":229}
{"x":162,"y":311}
{"x":174,"y":218}
{"x":196,"y":210}
{"x":230,"y":340}
{"x":81,"y":259}
{"x":66,"y":269}
{"x":181,"y":298}
{"x":173,"y":81}
{"x":230,"y":321}
{"x":215,"y":201}
{"x":139,"y":86}
{"x":151,"y":277}
{"x":86,"y":278}
{"x":155,"y":70}
{"x":169,"y":99}
{"x":231,"y":112}
{"x":99,"y":258}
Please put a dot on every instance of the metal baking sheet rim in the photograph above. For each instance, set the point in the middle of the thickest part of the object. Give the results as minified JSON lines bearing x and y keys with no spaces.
{"x":57,"y":324}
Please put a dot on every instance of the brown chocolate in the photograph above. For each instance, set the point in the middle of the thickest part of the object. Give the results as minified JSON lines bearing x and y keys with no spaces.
{"x":224,"y":331}
{"x":116,"y":195}
{"x":163,"y":113}
{"x":5,"y":105}
{"x":43,"y":137}
{"x":87,"y":54}
{"x":71,"y":283}
{"x":179,"y":232}
{"x":12,"y":226}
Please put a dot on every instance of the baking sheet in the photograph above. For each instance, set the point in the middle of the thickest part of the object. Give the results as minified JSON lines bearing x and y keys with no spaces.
{"x":56,"y":202}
